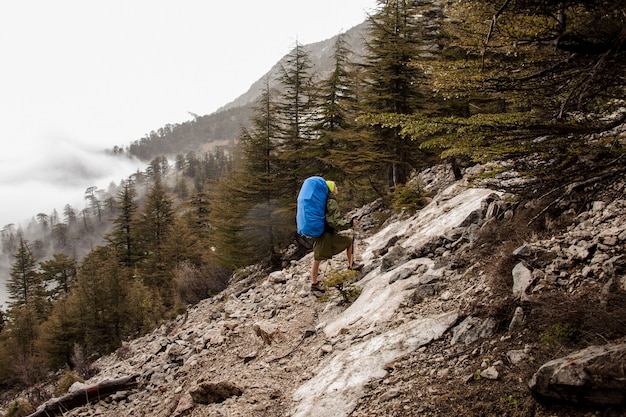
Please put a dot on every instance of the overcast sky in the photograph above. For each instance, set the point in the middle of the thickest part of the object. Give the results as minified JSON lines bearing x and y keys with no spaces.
{"x":79,"y":76}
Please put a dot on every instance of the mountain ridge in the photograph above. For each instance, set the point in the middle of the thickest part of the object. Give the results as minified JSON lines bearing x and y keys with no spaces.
{"x":320,"y":54}
{"x":224,"y":124}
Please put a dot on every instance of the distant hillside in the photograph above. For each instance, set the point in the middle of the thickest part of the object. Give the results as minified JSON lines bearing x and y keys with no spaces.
{"x":321,"y":56}
{"x":224,"y":126}
{"x":195,"y":135}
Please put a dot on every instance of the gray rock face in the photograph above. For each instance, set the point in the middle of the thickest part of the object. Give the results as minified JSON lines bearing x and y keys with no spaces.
{"x":592,"y":376}
{"x":472,"y":329}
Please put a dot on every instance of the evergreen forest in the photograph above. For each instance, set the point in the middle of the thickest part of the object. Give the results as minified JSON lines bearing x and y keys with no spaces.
{"x":537,"y":85}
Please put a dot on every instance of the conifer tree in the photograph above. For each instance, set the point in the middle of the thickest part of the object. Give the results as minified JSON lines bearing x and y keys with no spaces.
{"x":393,"y":82}
{"x":336,"y":103}
{"x":59,"y":274}
{"x":60,"y":234}
{"x":101,"y":290}
{"x":195,"y":211}
{"x":44,"y":221}
{"x":69,"y":214}
{"x":9,"y":239}
{"x":266,"y":223}
{"x":297,"y":113}
{"x":94,"y":203}
{"x":23,"y":332}
{"x":226,"y":219}
{"x":154,"y":226}
{"x":123,"y":237}
{"x":25,"y":286}
{"x":62,"y":331}
{"x":247,"y":212}
{"x":27,"y":309}
{"x":342,"y":146}
{"x":519,"y":71}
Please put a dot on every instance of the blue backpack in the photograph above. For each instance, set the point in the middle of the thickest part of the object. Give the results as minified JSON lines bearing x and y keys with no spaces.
{"x":311,"y":210}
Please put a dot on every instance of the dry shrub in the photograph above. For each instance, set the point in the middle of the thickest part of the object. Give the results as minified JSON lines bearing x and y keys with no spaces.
{"x":496,"y":244}
{"x":27,"y":369}
{"x":124,"y":352}
{"x":82,"y":366}
{"x":65,"y":382}
{"x":18,"y":408}
{"x":195,"y":284}
{"x":566,"y":322}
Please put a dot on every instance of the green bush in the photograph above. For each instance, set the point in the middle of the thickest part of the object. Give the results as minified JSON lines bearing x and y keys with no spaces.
{"x":408,"y":199}
{"x":341,"y":280}
{"x":555,"y":335}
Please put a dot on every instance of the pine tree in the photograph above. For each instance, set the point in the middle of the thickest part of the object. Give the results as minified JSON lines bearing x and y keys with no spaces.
{"x":154,"y":226}
{"x":58,"y":274}
{"x":23,"y":332}
{"x":195,"y":212}
{"x":69,"y":214}
{"x":266,"y":223}
{"x":61,"y":332}
{"x":342,"y":146}
{"x":94,"y":203}
{"x":251,"y":223}
{"x":518,"y":71}
{"x":226,"y":219}
{"x":122,"y":237}
{"x":27,"y":309}
{"x":9,"y":241}
{"x":393,"y":81}
{"x":101,"y":290}
{"x":25,"y":286}
{"x":297,"y":113}
{"x":336,"y":117}
{"x":60,"y":235}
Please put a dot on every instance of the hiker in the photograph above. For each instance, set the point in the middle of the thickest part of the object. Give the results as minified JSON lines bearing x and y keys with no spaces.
{"x":330,"y":242}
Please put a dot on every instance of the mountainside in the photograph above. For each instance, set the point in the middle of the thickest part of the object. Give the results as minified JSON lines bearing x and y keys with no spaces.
{"x":223,"y":127}
{"x":321,"y":54}
{"x":460,"y":305}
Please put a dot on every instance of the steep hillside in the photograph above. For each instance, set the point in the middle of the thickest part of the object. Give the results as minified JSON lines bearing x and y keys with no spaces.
{"x":321,"y":54}
{"x":223,"y":127}
{"x":460,"y":305}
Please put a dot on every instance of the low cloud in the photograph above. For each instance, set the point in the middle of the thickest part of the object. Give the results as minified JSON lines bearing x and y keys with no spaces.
{"x":38,"y":178}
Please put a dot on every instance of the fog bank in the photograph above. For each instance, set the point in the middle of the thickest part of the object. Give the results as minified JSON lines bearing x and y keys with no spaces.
{"x":40,"y":178}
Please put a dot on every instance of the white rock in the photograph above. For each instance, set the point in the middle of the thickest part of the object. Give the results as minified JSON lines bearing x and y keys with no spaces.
{"x":522,"y":278}
{"x":490,"y":373}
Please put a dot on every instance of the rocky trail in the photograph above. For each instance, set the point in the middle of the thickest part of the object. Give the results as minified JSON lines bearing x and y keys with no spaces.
{"x":460,"y":307}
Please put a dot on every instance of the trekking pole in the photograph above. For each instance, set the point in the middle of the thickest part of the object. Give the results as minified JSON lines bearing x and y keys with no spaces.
{"x":353,"y":248}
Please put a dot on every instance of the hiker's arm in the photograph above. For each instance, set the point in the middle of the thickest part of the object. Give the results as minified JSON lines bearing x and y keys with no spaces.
{"x":333,"y":216}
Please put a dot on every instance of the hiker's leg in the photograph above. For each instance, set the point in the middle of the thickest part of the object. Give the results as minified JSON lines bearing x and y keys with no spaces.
{"x":349,"y":256}
{"x":314,"y":271}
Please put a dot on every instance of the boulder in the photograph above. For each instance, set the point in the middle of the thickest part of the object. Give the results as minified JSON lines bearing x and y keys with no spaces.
{"x":522,"y":278}
{"x":593,"y":376}
{"x":209,"y":392}
{"x":472,"y":329}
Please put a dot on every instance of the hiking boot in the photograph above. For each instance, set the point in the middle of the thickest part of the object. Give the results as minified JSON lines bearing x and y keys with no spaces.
{"x":317,"y":288}
{"x":356,"y":267}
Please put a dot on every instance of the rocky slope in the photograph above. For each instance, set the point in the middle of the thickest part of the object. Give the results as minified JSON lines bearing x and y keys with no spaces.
{"x":460,"y":305}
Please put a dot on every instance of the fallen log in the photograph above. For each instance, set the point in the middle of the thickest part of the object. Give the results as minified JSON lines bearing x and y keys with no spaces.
{"x":86,"y":395}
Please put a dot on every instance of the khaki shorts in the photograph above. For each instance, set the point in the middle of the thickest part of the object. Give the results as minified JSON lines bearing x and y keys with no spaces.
{"x":329,"y":244}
